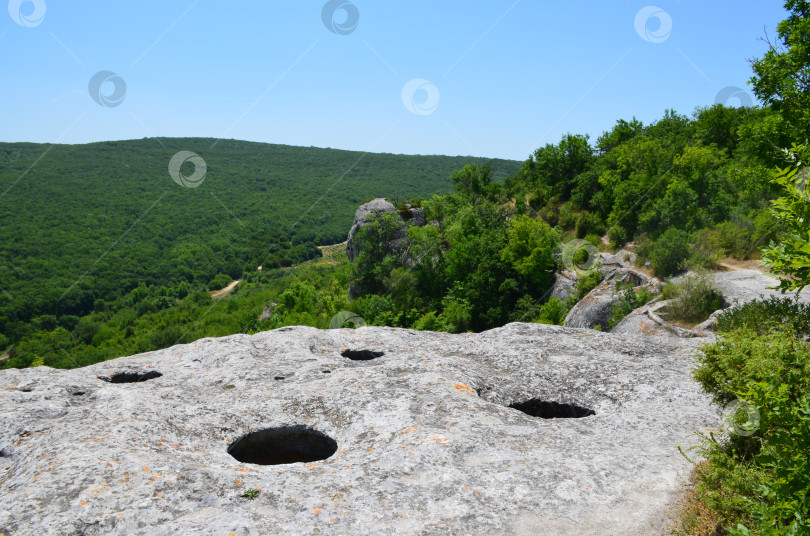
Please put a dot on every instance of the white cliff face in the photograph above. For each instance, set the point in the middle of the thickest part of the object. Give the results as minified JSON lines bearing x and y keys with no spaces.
{"x":405,"y":433}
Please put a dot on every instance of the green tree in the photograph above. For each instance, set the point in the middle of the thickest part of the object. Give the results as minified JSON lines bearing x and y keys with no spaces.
{"x":530,"y":250}
{"x":782,"y":76}
{"x":671,"y":250}
{"x":791,"y":256}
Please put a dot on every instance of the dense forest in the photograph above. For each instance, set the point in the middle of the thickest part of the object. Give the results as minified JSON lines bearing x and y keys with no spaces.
{"x":83,"y":226}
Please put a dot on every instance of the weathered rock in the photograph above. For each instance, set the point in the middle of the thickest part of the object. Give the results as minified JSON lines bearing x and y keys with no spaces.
{"x":737,"y":287}
{"x":365,"y":214}
{"x":594,"y":309}
{"x":742,"y":286}
{"x":565,"y":286}
{"x":396,"y":240}
{"x":646,"y":321}
{"x":707,"y":327}
{"x":424,"y":441}
{"x":612,"y":264}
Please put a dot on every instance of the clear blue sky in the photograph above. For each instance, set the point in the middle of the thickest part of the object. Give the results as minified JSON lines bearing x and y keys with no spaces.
{"x":507,"y":76}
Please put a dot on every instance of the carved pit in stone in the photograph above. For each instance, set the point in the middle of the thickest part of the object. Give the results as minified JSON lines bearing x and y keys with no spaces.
{"x":537,"y":407}
{"x":282,"y":445}
{"x":361,"y":355}
{"x":131,"y":376}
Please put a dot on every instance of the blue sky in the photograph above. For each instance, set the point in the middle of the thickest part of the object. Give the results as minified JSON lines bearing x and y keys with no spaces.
{"x":496,"y":78}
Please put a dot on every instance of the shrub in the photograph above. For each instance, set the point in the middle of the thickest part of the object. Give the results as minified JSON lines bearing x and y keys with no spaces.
{"x":587,"y":223}
{"x":757,"y":482}
{"x":629,"y":301}
{"x":762,"y":315}
{"x":428,"y":322}
{"x":566,"y":217}
{"x":617,"y":236}
{"x":552,"y":312}
{"x":671,"y":250}
{"x":594,"y":239}
{"x":588,"y":281}
{"x":219,"y":281}
{"x":694,"y":298}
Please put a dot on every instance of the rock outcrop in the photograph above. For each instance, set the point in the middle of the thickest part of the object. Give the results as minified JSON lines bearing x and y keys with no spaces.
{"x":742,"y":286}
{"x":738,"y":287}
{"x":365,"y":214}
{"x":396,"y":242}
{"x":368,"y":212}
{"x":526,"y":429}
{"x":596,"y":307}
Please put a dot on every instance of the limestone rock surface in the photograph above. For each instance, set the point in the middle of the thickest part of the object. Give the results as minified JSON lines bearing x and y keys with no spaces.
{"x":415,"y":427}
{"x":365,"y":214}
{"x":742,"y":286}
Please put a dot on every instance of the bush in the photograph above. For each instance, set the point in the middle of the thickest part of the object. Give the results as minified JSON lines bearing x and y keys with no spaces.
{"x":617,"y":236}
{"x":671,"y":250}
{"x":594,"y":239}
{"x":588,"y":223}
{"x":428,"y":322}
{"x":552,"y":312}
{"x":566,"y":219}
{"x":219,"y":281}
{"x":763,"y":315}
{"x":629,"y":301}
{"x":694,"y":298}
{"x":755,"y":480}
{"x":645,"y":246}
{"x":588,"y":281}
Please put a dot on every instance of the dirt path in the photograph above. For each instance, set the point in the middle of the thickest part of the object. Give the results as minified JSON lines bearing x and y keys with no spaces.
{"x":224,"y":291}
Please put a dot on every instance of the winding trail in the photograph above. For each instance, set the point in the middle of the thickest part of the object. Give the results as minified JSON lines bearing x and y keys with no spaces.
{"x":224,"y":291}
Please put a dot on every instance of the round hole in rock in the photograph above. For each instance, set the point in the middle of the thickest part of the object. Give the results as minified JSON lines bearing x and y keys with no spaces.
{"x":131,"y":377}
{"x":551,"y":410}
{"x":361,"y":355}
{"x":287,"y":444}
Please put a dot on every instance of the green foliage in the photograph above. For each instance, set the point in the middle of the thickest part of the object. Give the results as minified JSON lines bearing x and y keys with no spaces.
{"x":617,"y":236}
{"x":693,"y":299}
{"x":791,"y":256}
{"x":629,"y":300}
{"x":251,"y":494}
{"x":530,"y":250}
{"x":72,"y":255}
{"x":763,"y":315}
{"x":780,"y":76}
{"x":671,"y":249}
{"x":219,"y":281}
{"x":553,"y":312}
{"x":756,"y":481}
{"x":587,"y":282}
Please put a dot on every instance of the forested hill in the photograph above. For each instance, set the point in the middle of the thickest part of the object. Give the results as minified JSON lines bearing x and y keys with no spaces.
{"x":80,"y":223}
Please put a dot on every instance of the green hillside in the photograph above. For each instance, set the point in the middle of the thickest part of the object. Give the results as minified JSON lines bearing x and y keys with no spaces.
{"x":81,"y":223}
